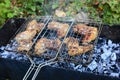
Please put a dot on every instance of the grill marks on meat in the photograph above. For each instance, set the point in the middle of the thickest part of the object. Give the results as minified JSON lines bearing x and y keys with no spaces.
{"x":43,"y":44}
{"x":89,"y":33}
{"x":74,"y":48}
{"x":24,"y":39}
{"x":59,"y":27}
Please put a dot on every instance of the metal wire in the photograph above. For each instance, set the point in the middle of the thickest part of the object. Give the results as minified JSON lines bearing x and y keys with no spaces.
{"x":32,"y":66}
{"x":68,"y":58}
{"x":52,"y":59}
{"x":29,"y":71}
{"x":96,"y":40}
{"x":22,"y":28}
{"x":39,"y":68}
{"x":61,"y":53}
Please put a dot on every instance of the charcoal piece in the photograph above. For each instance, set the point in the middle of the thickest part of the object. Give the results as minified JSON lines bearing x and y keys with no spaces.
{"x":113,"y":56}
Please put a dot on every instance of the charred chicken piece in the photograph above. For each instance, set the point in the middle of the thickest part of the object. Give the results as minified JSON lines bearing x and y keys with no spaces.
{"x":87,"y":48}
{"x":43,"y":44}
{"x":89,"y":33}
{"x":54,"y":25}
{"x":74,"y":48}
{"x":33,"y":22}
{"x":31,"y":25}
{"x":72,"y":51}
{"x":53,"y":44}
{"x":25,"y":35}
{"x":80,"y":28}
{"x":40,"y":46}
{"x":35,"y":26}
{"x":24,"y":45}
{"x":60,"y":13}
{"x":61,"y":28}
{"x":71,"y":41}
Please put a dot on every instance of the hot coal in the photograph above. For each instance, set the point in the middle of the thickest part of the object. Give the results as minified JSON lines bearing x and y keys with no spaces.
{"x":105,"y":60}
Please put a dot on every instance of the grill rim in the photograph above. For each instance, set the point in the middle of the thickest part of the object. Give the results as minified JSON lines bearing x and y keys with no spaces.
{"x":108,"y":76}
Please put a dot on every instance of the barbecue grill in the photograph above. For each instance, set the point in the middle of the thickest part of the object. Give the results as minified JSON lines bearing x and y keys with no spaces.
{"x":10,"y":62}
{"x":53,"y":56}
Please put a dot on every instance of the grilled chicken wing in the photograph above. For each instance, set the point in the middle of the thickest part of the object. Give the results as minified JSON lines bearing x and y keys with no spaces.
{"x":72,"y":51}
{"x":43,"y":44}
{"x":71,"y":42}
{"x":53,"y":44}
{"x":54,"y":25}
{"x":80,"y":28}
{"x":31,"y":24}
{"x":89,"y":33}
{"x":61,"y":28}
{"x":24,"y":45}
{"x":40,"y":46}
{"x":25,"y":35}
{"x":74,"y":48}
{"x":60,"y":13}
{"x":35,"y":26}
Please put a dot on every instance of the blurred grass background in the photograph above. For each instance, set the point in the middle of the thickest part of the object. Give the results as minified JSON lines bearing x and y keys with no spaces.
{"x":107,"y":10}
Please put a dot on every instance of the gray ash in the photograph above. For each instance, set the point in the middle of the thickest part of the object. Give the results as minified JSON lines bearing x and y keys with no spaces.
{"x":105,"y":60}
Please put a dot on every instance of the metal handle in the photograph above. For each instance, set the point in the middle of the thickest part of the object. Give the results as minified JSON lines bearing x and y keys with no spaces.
{"x":39,"y":68}
{"x":51,"y":61}
{"x":30,"y":70}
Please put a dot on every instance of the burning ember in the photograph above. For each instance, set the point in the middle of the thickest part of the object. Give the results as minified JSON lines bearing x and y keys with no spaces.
{"x":105,"y":60}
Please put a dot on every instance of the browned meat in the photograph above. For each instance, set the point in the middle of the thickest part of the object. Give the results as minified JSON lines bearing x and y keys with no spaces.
{"x":31,"y":24}
{"x":54,"y":25}
{"x":35,"y":26}
{"x":60,"y":13}
{"x":40,"y":46}
{"x":87,"y":48}
{"x":43,"y":44}
{"x":74,"y":48}
{"x":72,"y":51}
{"x":89,"y":33}
{"x":53,"y":44}
{"x":24,"y":45}
{"x":25,"y":35}
{"x":61,"y":28}
{"x":80,"y":28}
{"x":71,"y":42}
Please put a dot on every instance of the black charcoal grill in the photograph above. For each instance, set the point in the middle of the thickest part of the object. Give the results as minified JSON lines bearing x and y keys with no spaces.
{"x":52,"y":55}
{"x":34,"y":66}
